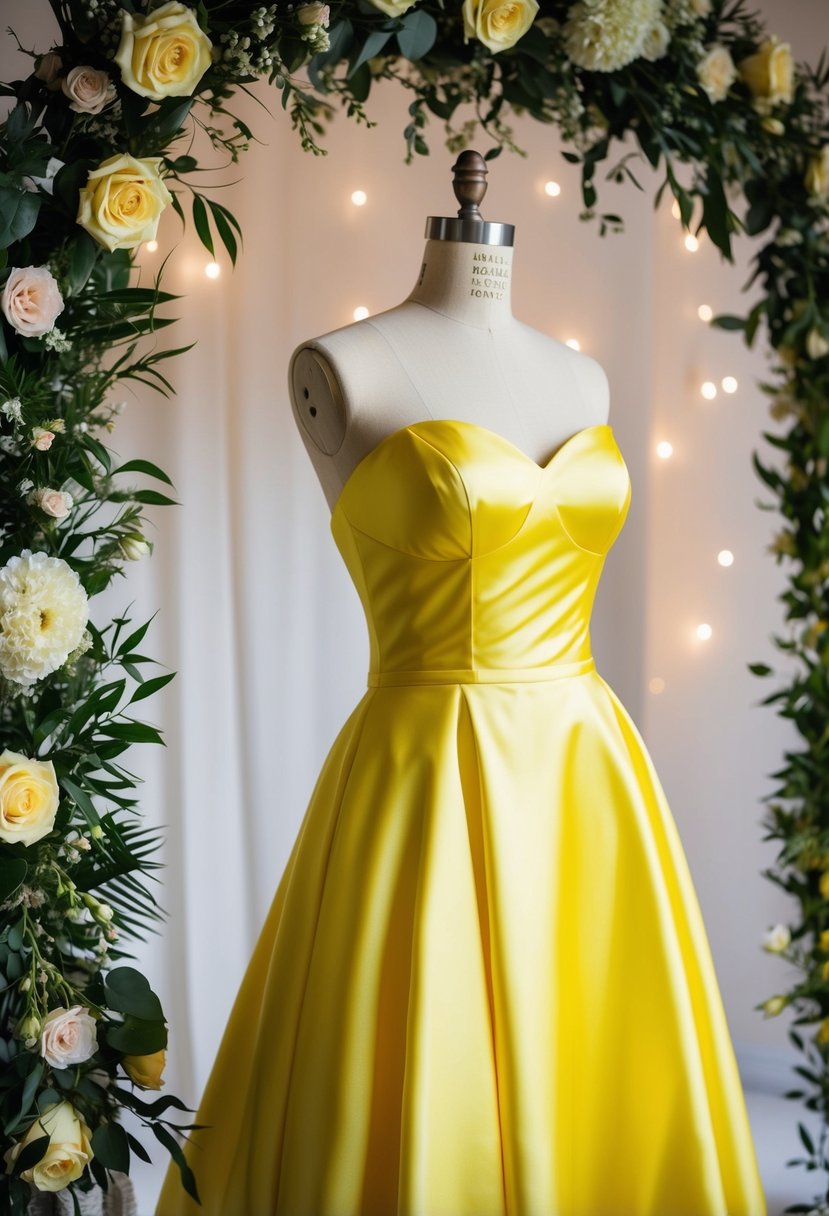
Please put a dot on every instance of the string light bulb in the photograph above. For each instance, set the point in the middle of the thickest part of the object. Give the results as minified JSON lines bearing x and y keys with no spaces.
{"x":552,"y":189}
{"x":725,"y":557}
{"x":151,"y":246}
{"x":656,"y":684}
{"x":709,"y":390}
{"x":664,"y":449}
{"x":573,"y":343}
{"x":705,"y":312}
{"x":359,"y":198}
{"x":675,"y":211}
{"x":691,"y":243}
{"x":704,"y":632}
{"x":360,"y":313}
{"x":212,"y":270}
{"x":729,"y":384}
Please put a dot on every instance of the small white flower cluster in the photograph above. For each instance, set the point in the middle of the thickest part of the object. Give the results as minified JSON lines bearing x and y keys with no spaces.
{"x":13,"y":409}
{"x":56,"y":341}
{"x":263,"y":21}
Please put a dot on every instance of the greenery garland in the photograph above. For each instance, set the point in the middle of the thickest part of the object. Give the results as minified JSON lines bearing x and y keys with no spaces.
{"x":93,"y":150}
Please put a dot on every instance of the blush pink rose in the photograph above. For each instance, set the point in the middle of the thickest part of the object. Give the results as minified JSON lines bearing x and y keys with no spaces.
{"x":42,"y":439}
{"x":31,"y":300}
{"x":56,"y":503}
{"x":69,"y":1036}
{"x":88,"y":90}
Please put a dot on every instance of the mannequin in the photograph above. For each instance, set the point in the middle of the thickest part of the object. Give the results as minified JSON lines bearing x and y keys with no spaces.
{"x":452,"y":349}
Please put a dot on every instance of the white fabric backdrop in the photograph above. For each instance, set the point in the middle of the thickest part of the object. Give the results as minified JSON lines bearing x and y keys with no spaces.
{"x":256,"y":613}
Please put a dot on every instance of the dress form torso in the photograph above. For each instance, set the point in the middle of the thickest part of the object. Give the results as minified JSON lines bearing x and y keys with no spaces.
{"x":452,"y":349}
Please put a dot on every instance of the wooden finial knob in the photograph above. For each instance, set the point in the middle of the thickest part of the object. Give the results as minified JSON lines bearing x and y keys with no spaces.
{"x":469,"y":183}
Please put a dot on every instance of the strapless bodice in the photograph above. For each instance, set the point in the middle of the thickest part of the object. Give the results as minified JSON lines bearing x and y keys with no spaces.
{"x":474,"y":562}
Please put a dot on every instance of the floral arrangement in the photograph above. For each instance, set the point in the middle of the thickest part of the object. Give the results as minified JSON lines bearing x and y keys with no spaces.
{"x":92,"y":152}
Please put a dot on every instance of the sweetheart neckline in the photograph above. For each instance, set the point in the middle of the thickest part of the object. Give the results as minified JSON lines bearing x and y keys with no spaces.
{"x":474,"y":426}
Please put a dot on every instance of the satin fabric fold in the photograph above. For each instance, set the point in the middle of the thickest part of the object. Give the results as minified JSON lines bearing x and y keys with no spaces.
{"x":484,"y":986}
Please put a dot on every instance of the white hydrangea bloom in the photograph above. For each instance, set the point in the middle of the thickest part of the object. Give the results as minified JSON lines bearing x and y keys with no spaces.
{"x":43,"y":615}
{"x":604,"y":35}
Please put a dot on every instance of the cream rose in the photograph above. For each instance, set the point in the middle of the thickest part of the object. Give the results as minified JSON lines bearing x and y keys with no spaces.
{"x":817,"y":175}
{"x":165,"y":53}
{"x":701,"y":8}
{"x":716,"y":72}
{"x":122,"y":200}
{"x":67,"y":1155}
{"x":88,"y":90}
{"x":498,"y":24}
{"x":68,"y":1036}
{"x":31,"y":301}
{"x":656,"y":41}
{"x":146,"y":1070}
{"x":42,"y":439}
{"x":817,"y":345}
{"x":313,"y":14}
{"x":57,"y":503}
{"x":29,"y":798}
{"x":769,"y":73}
{"x":393,"y":8}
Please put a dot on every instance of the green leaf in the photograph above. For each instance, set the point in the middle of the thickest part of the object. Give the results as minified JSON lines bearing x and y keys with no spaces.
{"x":12,"y":873}
{"x":81,"y":799}
{"x":153,"y":498}
{"x":224,"y":230}
{"x":111,"y":1147}
{"x":31,"y":1154}
{"x":128,"y":991}
{"x":150,"y":686}
{"x":372,"y":46}
{"x":760,"y":669}
{"x":727,"y":321}
{"x":188,"y":1180}
{"x":81,"y":260}
{"x":132,"y":732}
{"x":202,"y":223}
{"x":136,"y":1037}
{"x":142,"y":466}
{"x":18,"y":214}
{"x":417,"y":35}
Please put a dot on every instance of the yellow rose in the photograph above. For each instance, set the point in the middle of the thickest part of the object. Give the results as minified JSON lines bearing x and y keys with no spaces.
{"x":393,"y":8}
{"x":122,"y":201}
{"x":164,"y":54}
{"x":770,"y":73}
{"x":817,"y":175}
{"x":28,"y":798}
{"x":824,"y":971}
{"x":716,"y":72}
{"x":822,"y":1035}
{"x":824,"y":940}
{"x":68,"y":1153}
{"x":498,"y":24}
{"x":824,"y":884}
{"x":146,"y":1070}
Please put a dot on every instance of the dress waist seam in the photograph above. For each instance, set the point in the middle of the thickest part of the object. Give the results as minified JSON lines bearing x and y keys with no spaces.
{"x":482,"y":675}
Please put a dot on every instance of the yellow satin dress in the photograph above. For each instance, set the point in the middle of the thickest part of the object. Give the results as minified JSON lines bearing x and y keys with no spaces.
{"x":484,"y":986}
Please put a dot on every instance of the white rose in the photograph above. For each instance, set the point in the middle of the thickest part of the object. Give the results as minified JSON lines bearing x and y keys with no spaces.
{"x":716,"y":72}
{"x":31,"y":300}
{"x":57,"y":503}
{"x":777,"y":939}
{"x":68,"y":1036}
{"x":88,"y":90}
{"x":656,"y":41}
{"x":498,"y":24}
{"x":67,"y":1155}
{"x":29,"y":798}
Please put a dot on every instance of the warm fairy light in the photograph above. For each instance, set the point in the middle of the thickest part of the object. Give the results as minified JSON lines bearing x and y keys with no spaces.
{"x":704,"y":632}
{"x":212,"y":270}
{"x":359,"y":198}
{"x":657,"y":684}
{"x":705,"y":312}
{"x":709,"y":390}
{"x":664,"y":449}
{"x":361,"y":313}
{"x":691,"y":243}
{"x":725,"y":557}
{"x":151,"y":246}
{"x":574,"y":343}
{"x":675,"y":211}
{"x":553,"y":189}
{"x":729,"y":384}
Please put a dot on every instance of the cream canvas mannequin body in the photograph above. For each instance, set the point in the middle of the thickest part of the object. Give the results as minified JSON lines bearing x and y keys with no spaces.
{"x":452,"y":349}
